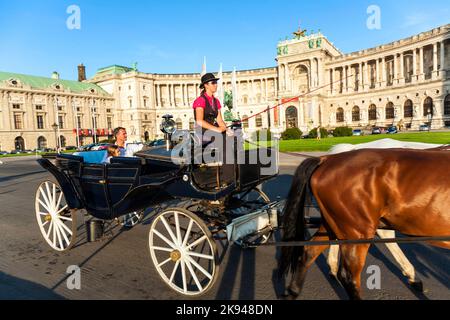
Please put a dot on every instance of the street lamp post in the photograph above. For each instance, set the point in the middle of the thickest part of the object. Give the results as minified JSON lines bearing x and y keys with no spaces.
{"x":55,"y":129}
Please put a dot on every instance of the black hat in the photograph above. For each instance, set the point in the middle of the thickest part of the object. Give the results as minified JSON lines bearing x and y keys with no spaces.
{"x":207,"y":78}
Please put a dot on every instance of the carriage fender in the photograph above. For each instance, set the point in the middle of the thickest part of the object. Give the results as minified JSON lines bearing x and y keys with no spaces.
{"x":70,"y":194}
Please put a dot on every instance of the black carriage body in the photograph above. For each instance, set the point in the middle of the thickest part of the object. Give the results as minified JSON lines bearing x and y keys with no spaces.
{"x":127,"y":185}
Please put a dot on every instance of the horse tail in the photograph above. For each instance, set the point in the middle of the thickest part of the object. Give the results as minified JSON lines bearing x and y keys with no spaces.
{"x":293,"y":221}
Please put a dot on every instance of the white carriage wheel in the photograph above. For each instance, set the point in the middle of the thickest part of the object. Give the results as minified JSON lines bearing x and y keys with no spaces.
{"x":56,"y":222}
{"x":183,"y":251}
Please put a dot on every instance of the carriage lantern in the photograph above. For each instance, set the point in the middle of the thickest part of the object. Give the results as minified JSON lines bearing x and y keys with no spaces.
{"x":168,"y":127}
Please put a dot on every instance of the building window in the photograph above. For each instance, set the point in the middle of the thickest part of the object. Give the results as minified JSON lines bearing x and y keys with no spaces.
{"x":245,"y":121}
{"x":258,"y":120}
{"x":143,"y":87}
{"x":79,"y":122}
{"x":179,"y":124}
{"x":40,"y":121}
{"x":78,"y":109}
{"x":372,"y":112}
{"x":61,"y":122}
{"x":131,"y":103}
{"x":428,"y":107}
{"x":18,"y":125}
{"x":109,"y":122}
{"x":60,"y":108}
{"x":408,"y":109}
{"x":16,"y":106}
{"x":390,"y":111}
{"x":447,"y":105}
{"x":41,"y":143}
{"x":340,"y":115}
{"x":108,"y":110}
{"x":356,"y":114}
{"x":373,"y":76}
{"x":39,"y":107}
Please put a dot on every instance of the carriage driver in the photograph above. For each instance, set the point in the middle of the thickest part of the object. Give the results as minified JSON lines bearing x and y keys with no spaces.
{"x":208,"y":116}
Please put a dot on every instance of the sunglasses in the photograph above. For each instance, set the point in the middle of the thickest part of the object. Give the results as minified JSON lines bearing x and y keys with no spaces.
{"x":212,"y":82}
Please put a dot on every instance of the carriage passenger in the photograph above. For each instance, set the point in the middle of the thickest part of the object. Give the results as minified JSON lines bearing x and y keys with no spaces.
{"x":112,"y":151}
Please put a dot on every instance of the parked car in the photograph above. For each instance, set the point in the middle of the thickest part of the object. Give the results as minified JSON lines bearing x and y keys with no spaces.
{"x":424,"y":127}
{"x":71,"y":148}
{"x":2,"y":153}
{"x":357,"y":132}
{"x":28,"y":151}
{"x":87,"y":147}
{"x":376,"y":130}
{"x":16,"y":152}
{"x":392,"y":130}
{"x":157,"y":143}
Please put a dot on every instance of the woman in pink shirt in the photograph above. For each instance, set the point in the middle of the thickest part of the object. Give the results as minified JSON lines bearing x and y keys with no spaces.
{"x":207,"y":108}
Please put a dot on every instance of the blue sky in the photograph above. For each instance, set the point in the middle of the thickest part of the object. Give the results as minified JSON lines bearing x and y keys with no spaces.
{"x":173,"y":36}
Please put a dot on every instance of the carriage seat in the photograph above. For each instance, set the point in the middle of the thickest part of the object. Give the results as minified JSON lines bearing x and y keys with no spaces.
{"x":95,"y":157}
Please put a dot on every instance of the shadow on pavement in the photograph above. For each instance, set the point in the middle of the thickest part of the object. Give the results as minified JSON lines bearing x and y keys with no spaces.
{"x":12,"y":288}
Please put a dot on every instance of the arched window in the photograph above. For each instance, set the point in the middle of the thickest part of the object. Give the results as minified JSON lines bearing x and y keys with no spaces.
{"x":258,"y":120}
{"x":447,"y":105}
{"x":146,"y":136}
{"x":373,"y":112}
{"x":428,"y":107}
{"x":291,"y":117}
{"x":390,"y":112}
{"x":41,"y":143}
{"x":19,"y":143}
{"x":408,"y":109}
{"x":340,"y":115}
{"x":356,"y":114}
{"x":245,"y":100}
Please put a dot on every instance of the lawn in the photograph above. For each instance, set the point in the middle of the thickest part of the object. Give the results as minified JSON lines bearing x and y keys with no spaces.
{"x":326,"y":143}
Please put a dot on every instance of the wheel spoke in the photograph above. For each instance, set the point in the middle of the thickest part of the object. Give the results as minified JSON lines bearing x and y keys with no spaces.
{"x":174,"y":271}
{"x":63,"y":233}
{"x":42,"y":193}
{"x":54,"y":234}
{"x":44,"y":205}
{"x":177,"y":227}
{"x":65,"y":218}
{"x":58,"y":235}
{"x":162,"y":249}
{"x":188,"y":232}
{"x":54,"y":196}
{"x":164,"y":239}
{"x":62,"y":209}
{"x":47,"y":236}
{"x":164,"y":262}
{"x":183,"y":275}
{"x":59,"y":200}
{"x":44,"y":224}
{"x":194,"y":276}
{"x":65,"y":227}
{"x":199,"y":267}
{"x":199,"y":255}
{"x":197,"y":242}
{"x":49,"y":194}
{"x":166,"y":224}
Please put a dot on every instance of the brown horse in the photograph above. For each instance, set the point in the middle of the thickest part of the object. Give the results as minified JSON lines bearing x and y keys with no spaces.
{"x":405,"y":190}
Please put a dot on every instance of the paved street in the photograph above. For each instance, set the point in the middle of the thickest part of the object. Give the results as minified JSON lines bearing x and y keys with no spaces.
{"x":119,"y":267}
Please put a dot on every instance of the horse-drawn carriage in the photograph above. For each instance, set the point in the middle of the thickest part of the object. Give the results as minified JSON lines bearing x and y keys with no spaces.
{"x":181,"y":239}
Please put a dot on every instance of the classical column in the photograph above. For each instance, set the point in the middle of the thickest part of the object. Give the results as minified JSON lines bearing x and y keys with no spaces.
{"x":395,"y":71}
{"x":421,"y":72}
{"x":156,"y":96}
{"x":266,"y":90}
{"x":377,"y":73}
{"x":366,"y":75}
{"x":414,"y":76}
{"x":402,"y":69}
{"x":383,"y":71}
{"x":319,"y":72}
{"x":435,"y":60}
{"x":286,"y":81}
{"x":442,"y":57}
{"x":331,"y":81}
